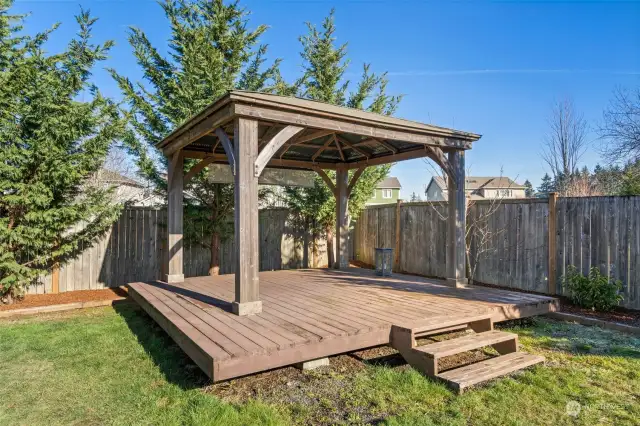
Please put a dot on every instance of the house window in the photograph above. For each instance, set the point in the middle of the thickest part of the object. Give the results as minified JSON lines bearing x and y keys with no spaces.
{"x":505,"y":192}
{"x":386,"y":193}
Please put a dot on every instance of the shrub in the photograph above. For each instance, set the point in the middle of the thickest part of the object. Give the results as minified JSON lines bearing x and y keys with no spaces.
{"x":594,"y":291}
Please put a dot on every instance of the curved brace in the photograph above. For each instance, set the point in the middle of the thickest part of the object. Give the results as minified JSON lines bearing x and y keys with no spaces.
{"x":354,"y":179}
{"x":228,"y":148}
{"x":438,"y":156}
{"x":326,"y":179}
{"x":197,"y":168}
{"x":273,"y":146}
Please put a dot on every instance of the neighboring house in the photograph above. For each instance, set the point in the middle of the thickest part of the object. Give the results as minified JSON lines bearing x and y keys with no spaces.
{"x":478,"y":188}
{"x":387,"y":191}
{"x":129,"y":191}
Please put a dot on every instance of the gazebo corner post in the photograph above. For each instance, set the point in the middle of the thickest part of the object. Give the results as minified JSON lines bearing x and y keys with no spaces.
{"x":456,"y":249}
{"x":342,"y":218}
{"x":247,"y":282}
{"x":175,"y":178}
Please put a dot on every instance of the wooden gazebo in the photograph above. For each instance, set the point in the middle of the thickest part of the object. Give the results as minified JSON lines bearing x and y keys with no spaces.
{"x":251,"y":131}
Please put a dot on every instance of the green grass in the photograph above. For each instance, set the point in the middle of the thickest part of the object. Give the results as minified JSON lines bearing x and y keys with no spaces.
{"x":106,"y":366}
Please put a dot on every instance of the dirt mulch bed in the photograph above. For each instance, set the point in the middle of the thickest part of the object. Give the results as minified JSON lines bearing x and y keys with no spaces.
{"x":36,"y":300}
{"x":619,"y":315}
{"x":330,"y":395}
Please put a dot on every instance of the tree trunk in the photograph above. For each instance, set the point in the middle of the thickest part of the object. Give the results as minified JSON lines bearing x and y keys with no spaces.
{"x":330,"y":253}
{"x":214,"y":264}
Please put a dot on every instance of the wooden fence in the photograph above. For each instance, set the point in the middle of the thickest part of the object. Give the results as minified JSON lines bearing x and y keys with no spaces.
{"x":135,"y":249}
{"x":522,"y":250}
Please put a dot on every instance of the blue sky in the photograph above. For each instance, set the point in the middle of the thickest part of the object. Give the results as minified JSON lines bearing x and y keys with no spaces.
{"x":494,"y":68}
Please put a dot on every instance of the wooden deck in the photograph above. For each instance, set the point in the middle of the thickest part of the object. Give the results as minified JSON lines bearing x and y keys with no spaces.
{"x":311,"y":313}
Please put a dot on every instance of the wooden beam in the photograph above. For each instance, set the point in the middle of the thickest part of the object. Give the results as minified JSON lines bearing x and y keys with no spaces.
{"x":204,"y":127}
{"x":247,"y":237}
{"x":344,"y":125}
{"x":456,"y":220}
{"x":440,"y":159}
{"x":326,"y":179}
{"x":173,"y":161}
{"x":355,"y":148}
{"x":335,"y":140}
{"x":175,"y":266}
{"x":290,"y":164}
{"x":296,"y":164}
{"x":401,"y":156}
{"x":553,"y":235}
{"x":322,"y":148}
{"x":228,"y":148}
{"x":198,"y":167}
{"x":273,"y":146}
{"x":268,"y":135}
{"x":386,"y":145}
{"x":342,"y":219}
{"x":315,"y":135}
{"x":354,"y":180}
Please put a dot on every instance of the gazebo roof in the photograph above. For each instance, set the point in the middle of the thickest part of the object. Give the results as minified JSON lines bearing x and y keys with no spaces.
{"x":331,"y":134}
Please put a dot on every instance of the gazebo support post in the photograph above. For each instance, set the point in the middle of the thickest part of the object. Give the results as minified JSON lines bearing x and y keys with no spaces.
{"x":175,"y":178}
{"x":342,"y":218}
{"x":456,"y":250}
{"x":245,"y":147}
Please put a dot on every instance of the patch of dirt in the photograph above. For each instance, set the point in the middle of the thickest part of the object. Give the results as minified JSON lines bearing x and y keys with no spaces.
{"x":34,"y":300}
{"x":619,"y":315}
{"x":330,"y":395}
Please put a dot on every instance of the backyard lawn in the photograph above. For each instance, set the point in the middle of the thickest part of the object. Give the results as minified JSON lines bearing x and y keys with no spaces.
{"x":115,"y":366}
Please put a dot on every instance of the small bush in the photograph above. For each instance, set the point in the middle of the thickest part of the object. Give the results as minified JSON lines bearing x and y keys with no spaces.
{"x":594,"y":291}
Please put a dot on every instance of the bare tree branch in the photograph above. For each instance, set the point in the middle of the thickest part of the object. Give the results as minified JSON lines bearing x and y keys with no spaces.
{"x":566,"y":141}
{"x":620,"y":131}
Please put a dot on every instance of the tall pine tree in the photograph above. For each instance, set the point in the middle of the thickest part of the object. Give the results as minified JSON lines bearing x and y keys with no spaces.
{"x":211,"y":51}
{"x":546,"y":186}
{"x":324,"y":65}
{"x":52,"y":144}
{"x":528,"y":191}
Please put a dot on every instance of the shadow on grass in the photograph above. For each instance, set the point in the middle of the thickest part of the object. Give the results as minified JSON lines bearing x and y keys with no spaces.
{"x":575,"y":338}
{"x":174,"y":364}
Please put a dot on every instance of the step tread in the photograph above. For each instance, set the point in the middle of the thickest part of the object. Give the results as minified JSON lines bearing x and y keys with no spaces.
{"x":441,"y":322}
{"x":465,"y":343}
{"x":488,"y":369}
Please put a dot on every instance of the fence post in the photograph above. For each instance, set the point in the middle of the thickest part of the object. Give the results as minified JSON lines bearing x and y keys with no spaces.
{"x":55,"y":279}
{"x":553,"y":198}
{"x":397,"y":259}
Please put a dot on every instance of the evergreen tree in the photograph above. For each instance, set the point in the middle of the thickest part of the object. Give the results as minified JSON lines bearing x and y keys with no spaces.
{"x":546,"y":186}
{"x":325,"y":64}
{"x":415,"y":198}
{"x":630,"y":179}
{"x":52,"y":144}
{"x":528,"y":192}
{"x":211,"y":51}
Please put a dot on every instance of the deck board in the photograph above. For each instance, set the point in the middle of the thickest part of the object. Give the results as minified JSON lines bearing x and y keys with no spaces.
{"x":311,"y":313}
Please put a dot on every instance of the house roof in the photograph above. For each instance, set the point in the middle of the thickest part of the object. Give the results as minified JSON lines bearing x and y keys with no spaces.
{"x":478,"y":182}
{"x":330,"y":134}
{"x":390,"y":182}
{"x":112,"y":177}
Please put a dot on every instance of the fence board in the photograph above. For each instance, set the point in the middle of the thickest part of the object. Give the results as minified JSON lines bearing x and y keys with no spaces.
{"x":134,"y":249}
{"x":591,"y":231}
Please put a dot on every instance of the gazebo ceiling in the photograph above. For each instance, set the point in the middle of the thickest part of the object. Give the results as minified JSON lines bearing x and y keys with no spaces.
{"x":330,"y":135}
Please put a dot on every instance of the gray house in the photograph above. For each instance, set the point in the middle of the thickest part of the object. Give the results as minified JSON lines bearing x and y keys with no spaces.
{"x":478,"y":188}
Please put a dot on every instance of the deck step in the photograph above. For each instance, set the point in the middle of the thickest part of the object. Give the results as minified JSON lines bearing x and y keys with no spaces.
{"x":467,"y":343}
{"x":463,"y":377}
{"x":444,"y":323}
